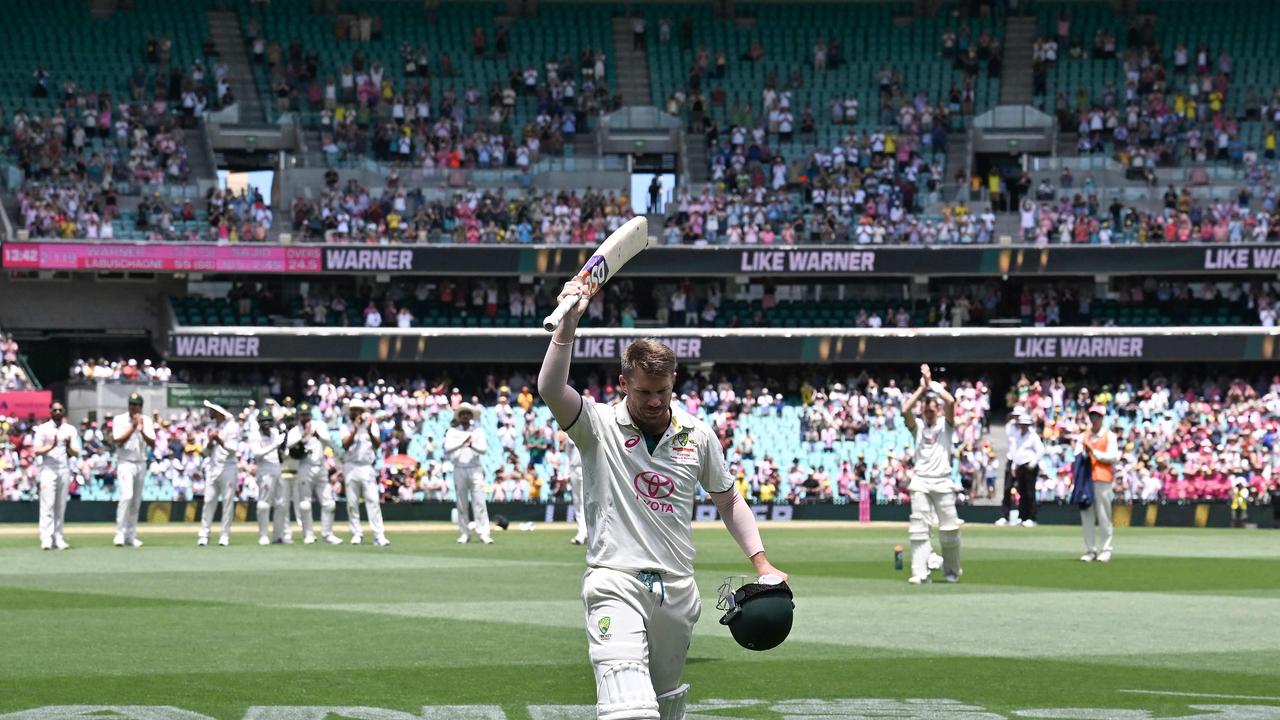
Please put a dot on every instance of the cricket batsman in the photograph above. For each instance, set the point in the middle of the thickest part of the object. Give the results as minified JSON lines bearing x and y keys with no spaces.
{"x":641,"y":459}
{"x":933,"y":493}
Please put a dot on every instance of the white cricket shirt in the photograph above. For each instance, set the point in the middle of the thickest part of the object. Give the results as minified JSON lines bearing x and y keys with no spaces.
{"x":639,"y":506}
{"x":932,"y":472}
{"x":134,"y":450}
{"x":47,"y":433}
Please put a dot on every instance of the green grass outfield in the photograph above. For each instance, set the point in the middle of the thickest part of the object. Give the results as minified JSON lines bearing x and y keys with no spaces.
{"x":1030,"y":632}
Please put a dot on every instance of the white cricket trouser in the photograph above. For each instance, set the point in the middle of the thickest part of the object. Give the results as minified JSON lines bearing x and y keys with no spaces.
{"x":268,"y":478}
{"x":1098,"y":515}
{"x":363,"y":481}
{"x":220,"y":486}
{"x":468,"y":488}
{"x":286,"y":493}
{"x":638,"y":633}
{"x":926,"y":505}
{"x":53,"y":503}
{"x":575,"y":487}
{"x":129,"y":478}
{"x":313,"y":482}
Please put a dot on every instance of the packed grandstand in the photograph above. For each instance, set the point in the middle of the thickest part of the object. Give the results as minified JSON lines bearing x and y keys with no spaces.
{"x":381,"y":200}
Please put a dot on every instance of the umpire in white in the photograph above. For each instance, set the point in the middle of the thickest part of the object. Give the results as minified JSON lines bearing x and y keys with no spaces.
{"x":56,"y":443}
{"x":133,"y":433}
{"x":1025,"y":451}
{"x":465,"y":444}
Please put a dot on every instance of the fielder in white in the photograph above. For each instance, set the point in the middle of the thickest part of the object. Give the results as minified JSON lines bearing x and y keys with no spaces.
{"x":933,"y":492}
{"x":465,"y":444}
{"x":265,"y":443}
{"x":360,"y":441}
{"x":313,"y":479}
{"x":573,"y":462}
{"x":55,"y":443}
{"x":220,"y":474}
{"x":133,"y":433}
{"x":641,"y":459}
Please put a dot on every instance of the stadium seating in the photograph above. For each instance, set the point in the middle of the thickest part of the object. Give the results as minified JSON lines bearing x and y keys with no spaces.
{"x":96,"y":53}
{"x":557,"y":31}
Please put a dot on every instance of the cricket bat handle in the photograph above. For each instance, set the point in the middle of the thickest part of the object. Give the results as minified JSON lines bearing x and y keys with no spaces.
{"x":553,"y":320}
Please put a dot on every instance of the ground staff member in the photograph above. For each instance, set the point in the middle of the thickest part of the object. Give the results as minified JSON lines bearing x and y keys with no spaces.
{"x":1104,"y":450}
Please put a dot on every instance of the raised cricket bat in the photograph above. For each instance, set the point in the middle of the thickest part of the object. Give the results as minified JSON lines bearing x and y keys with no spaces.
{"x":625,"y":243}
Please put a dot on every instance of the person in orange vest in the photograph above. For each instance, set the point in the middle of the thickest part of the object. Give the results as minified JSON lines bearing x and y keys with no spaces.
{"x":1104,"y":450}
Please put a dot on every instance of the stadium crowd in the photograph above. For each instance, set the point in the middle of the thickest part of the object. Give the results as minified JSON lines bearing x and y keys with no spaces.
{"x":815,"y":442}
{"x":12,"y":375}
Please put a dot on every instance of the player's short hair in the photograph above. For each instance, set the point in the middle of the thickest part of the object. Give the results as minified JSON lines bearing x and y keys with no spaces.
{"x":649,"y":357}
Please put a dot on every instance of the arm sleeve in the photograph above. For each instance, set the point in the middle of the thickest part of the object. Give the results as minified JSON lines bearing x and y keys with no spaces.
{"x":714,"y":475}
{"x":232,"y":440}
{"x":117,"y":430}
{"x":452,"y":441}
{"x":566,"y":404}
{"x":480,"y":441}
{"x":739,"y":520}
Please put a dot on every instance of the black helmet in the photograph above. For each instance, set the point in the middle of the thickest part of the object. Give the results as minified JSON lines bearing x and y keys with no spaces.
{"x":759,"y":614}
{"x":265,"y":416}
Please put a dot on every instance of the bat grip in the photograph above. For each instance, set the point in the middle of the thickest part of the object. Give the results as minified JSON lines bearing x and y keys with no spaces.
{"x":553,"y":320}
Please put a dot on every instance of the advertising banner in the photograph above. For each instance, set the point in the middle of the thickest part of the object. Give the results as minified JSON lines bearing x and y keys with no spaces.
{"x":666,"y":261}
{"x":189,"y":396}
{"x":24,"y":403}
{"x":122,"y":257}
{"x":796,"y":346}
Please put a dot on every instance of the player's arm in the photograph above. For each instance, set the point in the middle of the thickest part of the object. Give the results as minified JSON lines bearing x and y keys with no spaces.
{"x":44,"y":449}
{"x":73,"y":445}
{"x":453,"y":442}
{"x":479,"y":441}
{"x":909,"y":408}
{"x":1108,"y":456}
{"x":123,"y":436}
{"x":348,"y":438}
{"x":564,"y":402}
{"x":149,"y":433}
{"x":374,"y":436}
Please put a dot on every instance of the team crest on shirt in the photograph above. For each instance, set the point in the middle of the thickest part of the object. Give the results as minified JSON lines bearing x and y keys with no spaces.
{"x":603,"y":624}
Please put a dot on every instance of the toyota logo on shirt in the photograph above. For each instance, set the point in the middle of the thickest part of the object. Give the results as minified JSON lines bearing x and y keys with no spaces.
{"x":654,"y":486}
{"x":652,"y":489}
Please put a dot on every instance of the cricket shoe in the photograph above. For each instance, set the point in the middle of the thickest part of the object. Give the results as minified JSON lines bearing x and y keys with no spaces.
{"x":919,"y":580}
{"x":60,"y":543}
{"x":486,"y":539}
{"x":263,"y":540}
{"x":224,"y":541}
{"x":1002,"y":522}
{"x":202,"y":542}
{"x":309,"y":540}
{"x":356,"y":539}
{"x":1028,"y":523}
{"x":134,"y":543}
{"x":332,"y":540}
{"x":381,"y":542}
{"x":1088,"y":557}
{"x":579,"y":540}
{"x":46,"y":546}
{"x":1104,"y":556}
{"x":284,"y":541}
{"x":953,"y":577}
{"x":118,"y":541}
{"x":464,"y":539}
